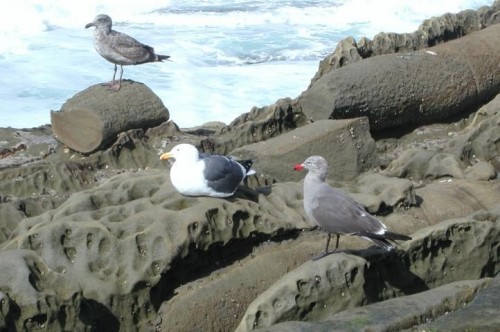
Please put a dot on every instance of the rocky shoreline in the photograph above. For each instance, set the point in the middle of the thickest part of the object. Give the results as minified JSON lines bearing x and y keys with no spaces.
{"x":94,"y":237}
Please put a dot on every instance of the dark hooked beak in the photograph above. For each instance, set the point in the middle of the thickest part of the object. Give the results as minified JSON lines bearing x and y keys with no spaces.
{"x":90,"y":25}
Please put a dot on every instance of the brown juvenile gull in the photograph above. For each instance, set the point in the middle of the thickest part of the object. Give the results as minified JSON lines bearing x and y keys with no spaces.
{"x":119,"y":48}
{"x":337,"y":213}
{"x":195,"y":174}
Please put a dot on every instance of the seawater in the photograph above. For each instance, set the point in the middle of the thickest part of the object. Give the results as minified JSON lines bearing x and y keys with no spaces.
{"x":227,"y":56}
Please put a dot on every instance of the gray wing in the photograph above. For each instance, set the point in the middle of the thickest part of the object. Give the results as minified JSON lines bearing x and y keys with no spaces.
{"x":130,"y":48}
{"x":222,"y":173}
{"x":338,"y":213}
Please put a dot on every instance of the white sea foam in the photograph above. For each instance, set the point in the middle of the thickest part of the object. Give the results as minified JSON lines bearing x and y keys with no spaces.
{"x":227,"y":56}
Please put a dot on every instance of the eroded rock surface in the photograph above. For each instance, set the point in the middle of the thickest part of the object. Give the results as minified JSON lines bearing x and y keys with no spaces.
{"x":117,"y":241}
{"x":450,"y":251}
{"x":102,"y":241}
{"x":405,"y":90}
{"x":431,"y":32}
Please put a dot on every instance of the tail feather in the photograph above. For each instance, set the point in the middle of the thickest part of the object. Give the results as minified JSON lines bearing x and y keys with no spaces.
{"x":162,"y":57}
{"x":381,"y":240}
{"x":396,"y":236}
{"x":247,"y":164}
{"x":382,"y":243}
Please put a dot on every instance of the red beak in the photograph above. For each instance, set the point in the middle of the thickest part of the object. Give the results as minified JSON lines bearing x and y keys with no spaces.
{"x":298,"y":167}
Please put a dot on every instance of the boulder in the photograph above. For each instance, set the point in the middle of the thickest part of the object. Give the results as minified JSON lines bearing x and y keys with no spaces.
{"x":346,"y":145}
{"x":260,"y":124}
{"x":94,"y":117}
{"x":404,"y":90}
{"x":431,"y":32}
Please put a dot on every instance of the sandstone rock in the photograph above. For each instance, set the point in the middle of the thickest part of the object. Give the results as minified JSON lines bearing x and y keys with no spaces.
{"x":385,"y":43}
{"x":403,"y":90}
{"x":431,"y":32}
{"x":116,"y":241}
{"x":450,"y":251}
{"x":255,"y":126}
{"x":350,"y":150}
{"x":450,"y":26}
{"x":417,"y":164}
{"x":346,"y":52}
{"x":377,"y":192}
{"x":472,"y":152}
{"x":395,"y":314}
{"x":479,"y":141}
{"x":81,"y":248}
{"x":454,"y":198}
{"x":92,"y":118}
{"x":22,"y":146}
{"x":481,"y":171}
{"x":489,"y":15}
{"x":482,"y":314}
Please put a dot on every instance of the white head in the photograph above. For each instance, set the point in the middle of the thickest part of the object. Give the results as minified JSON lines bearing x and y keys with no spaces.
{"x":316,"y":165}
{"x":182,"y":152}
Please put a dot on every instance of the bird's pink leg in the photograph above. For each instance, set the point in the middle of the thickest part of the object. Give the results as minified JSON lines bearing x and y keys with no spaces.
{"x":113,"y":85}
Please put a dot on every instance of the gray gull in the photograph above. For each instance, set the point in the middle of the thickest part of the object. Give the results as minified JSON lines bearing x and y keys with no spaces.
{"x":119,"y":48}
{"x":195,"y":174}
{"x":337,"y":213}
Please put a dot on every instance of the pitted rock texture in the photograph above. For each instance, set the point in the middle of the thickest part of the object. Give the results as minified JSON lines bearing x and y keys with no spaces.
{"x":116,"y":240}
{"x":257,"y":125}
{"x":431,"y":32}
{"x":394,"y":314}
{"x":473,"y":152}
{"x":453,"y":250}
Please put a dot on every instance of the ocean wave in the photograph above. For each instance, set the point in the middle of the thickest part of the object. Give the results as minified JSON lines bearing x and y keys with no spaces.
{"x":224,"y":53}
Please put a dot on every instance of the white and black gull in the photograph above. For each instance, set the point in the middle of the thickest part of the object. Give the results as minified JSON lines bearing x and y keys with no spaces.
{"x":195,"y":174}
{"x":119,"y":48}
{"x":338,"y":213}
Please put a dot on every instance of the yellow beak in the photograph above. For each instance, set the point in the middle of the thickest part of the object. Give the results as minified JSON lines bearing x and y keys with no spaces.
{"x":166,"y":156}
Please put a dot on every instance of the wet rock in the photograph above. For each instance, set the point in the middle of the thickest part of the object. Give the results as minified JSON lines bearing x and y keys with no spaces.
{"x":404,"y":90}
{"x":93,"y":118}
{"x":22,"y":146}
